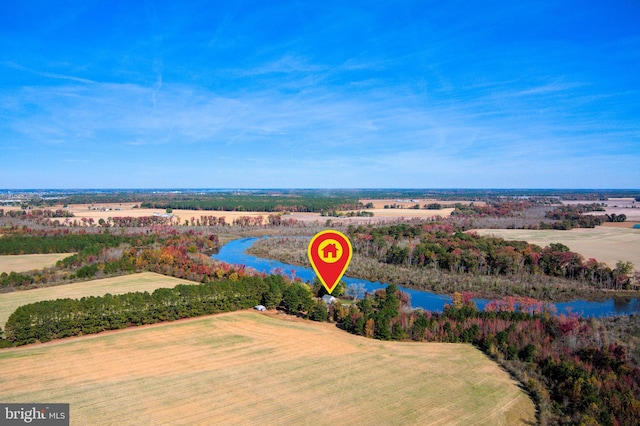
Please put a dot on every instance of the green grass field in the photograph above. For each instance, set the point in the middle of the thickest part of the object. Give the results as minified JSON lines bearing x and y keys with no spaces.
{"x":249,"y":368}
{"x":604,"y":243}
{"x":146,"y":281}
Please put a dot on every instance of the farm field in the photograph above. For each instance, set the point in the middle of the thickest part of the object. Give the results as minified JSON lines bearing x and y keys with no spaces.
{"x":379,"y":203}
{"x":126,"y":210}
{"x":249,"y":368}
{"x":27,"y":262}
{"x":107,"y":210}
{"x":409,"y":213}
{"x":604,"y":243}
{"x":145,"y":281}
{"x":618,"y":206}
{"x":379,"y":216}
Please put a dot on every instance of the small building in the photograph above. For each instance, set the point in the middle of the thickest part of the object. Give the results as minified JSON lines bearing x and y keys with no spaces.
{"x":260,"y":308}
{"x":328,"y":299}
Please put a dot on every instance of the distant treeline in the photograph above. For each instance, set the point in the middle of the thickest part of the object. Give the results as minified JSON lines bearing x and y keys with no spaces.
{"x":499,"y":208}
{"x":259,"y":200}
{"x":257,"y":203}
{"x":48,"y":198}
{"x":36,"y":213}
{"x":36,"y":244}
{"x":562,"y":217}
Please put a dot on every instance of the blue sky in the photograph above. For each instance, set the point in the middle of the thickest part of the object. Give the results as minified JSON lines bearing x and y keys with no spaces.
{"x":331,"y":94}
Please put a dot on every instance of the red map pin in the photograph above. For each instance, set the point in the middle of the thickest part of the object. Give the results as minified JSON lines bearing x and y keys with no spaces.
{"x":330,"y":253}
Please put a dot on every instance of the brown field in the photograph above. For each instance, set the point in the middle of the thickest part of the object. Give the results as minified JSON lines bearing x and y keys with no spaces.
{"x":28,"y":262}
{"x":379,"y":203}
{"x":107,"y":210}
{"x":380,"y":215}
{"x":249,"y":368}
{"x":632,"y":214}
{"x":604,"y":243}
{"x":145,"y":281}
{"x":627,"y":206}
{"x":627,"y":225}
{"x":409,"y":213}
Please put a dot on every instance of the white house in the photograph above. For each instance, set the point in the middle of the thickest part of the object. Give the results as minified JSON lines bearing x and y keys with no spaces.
{"x":328,"y":299}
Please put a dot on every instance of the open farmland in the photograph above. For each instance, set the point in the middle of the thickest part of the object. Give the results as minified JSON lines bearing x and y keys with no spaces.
{"x":28,"y":262}
{"x":107,"y":210}
{"x":248,"y":368}
{"x":404,"y":204}
{"x":409,"y":213}
{"x":145,"y":281}
{"x":110,"y":210}
{"x":604,"y":243}
{"x":626,"y":206}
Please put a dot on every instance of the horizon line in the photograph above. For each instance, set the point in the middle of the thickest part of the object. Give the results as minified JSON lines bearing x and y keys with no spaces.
{"x":229,"y":189}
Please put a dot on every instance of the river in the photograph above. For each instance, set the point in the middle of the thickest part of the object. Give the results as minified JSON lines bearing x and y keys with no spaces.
{"x":234,"y":252}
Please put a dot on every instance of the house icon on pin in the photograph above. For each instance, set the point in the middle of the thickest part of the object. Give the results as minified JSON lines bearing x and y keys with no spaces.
{"x":330,"y":251}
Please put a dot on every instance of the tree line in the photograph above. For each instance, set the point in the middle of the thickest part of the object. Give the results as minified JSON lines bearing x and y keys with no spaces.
{"x":573,"y":216}
{"x":19,"y":243}
{"x":47,"y":320}
{"x":98,"y":255}
{"x":438,"y":280}
{"x":55,"y":319}
{"x":36,"y":213}
{"x":444,"y":246}
{"x":530,"y":214}
{"x":263,"y":203}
